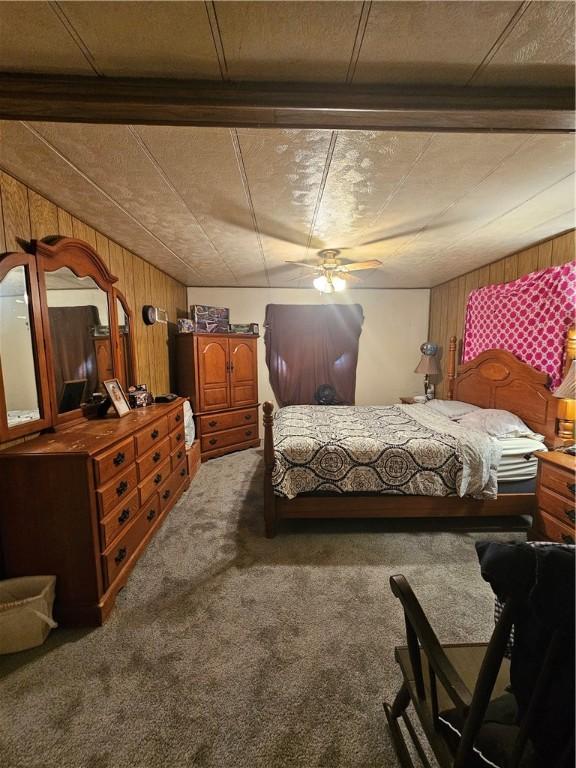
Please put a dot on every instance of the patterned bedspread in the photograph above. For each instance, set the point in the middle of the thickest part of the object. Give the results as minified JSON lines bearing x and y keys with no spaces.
{"x":397,"y":449}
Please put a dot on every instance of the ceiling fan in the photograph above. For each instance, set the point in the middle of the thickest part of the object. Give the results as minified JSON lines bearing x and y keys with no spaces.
{"x":333,"y":274}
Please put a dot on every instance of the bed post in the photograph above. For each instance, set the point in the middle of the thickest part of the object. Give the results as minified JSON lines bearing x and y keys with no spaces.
{"x":566,"y":410}
{"x":269,"y":498}
{"x":451,"y":366}
{"x":569,"y":349}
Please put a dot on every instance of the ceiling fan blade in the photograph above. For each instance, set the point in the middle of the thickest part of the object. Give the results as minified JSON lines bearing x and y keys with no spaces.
{"x":354,"y":265}
{"x":349,"y":278}
{"x":316,"y":267}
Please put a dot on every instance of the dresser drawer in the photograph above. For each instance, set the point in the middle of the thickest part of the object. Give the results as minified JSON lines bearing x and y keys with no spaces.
{"x":230,"y":437}
{"x":171,"y":486}
{"x":118,"y":489}
{"x":154,"y":480}
{"x":151,"y":510}
{"x":556,"y":505}
{"x":559,"y":480}
{"x":119,"y":519}
{"x":117,"y":556}
{"x":112,"y":462}
{"x":221,"y":421}
{"x":551,"y":529}
{"x":151,"y":460}
{"x":176,"y":439}
{"x":178,"y":456}
{"x":150,"y":436}
{"x":176,"y":419}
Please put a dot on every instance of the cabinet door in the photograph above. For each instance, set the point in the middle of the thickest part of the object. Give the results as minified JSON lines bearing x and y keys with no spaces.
{"x":104,"y":359}
{"x":213,"y":373}
{"x":243,"y":372}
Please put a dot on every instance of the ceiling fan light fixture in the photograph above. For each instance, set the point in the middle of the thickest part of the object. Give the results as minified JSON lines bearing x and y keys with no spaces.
{"x":339,"y":283}
{"x":321,"y":284}
{"x":329,"y":283}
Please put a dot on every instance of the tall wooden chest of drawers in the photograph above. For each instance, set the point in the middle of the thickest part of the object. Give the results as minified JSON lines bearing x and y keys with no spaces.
{"x":219,"y":373}
{"x":83,"y":503}
{"x":556,"y":492}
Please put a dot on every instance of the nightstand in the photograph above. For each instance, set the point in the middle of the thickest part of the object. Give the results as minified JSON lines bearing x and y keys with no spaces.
{"x":407,"y":400}
{"x":555,"y":490}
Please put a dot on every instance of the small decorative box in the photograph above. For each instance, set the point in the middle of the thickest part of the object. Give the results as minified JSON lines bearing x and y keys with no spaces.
{"x":185,"y":325}
{"x":210,"y":319}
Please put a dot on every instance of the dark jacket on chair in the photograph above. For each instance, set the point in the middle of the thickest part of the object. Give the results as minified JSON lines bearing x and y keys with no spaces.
{"x":542,"y":580}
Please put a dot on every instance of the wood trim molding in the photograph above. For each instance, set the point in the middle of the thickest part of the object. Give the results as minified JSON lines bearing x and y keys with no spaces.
{"x":149,"y":101}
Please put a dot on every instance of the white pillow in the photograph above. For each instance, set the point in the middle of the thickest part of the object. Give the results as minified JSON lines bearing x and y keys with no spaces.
{"x":453,"y":409}
{"x":497,"y":423}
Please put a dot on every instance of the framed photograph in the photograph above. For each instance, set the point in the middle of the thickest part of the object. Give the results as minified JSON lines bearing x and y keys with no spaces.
{"x":116,"y":394}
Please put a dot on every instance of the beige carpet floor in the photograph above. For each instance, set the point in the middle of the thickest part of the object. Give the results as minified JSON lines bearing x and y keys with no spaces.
{"x":228,"y":650}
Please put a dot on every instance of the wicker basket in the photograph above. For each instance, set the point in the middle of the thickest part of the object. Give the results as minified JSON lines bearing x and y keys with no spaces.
{"x":25,"y":612}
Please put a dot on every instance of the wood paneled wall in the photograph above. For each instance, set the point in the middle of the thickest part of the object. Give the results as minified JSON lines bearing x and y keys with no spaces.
{"x":448,"y":300}
{"x":26,"y":214}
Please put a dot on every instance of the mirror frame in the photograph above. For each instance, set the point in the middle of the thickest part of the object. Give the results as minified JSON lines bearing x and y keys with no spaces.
{"x":8,"y":262}
{"x":131,"y":358}
{"x":43,"y":256}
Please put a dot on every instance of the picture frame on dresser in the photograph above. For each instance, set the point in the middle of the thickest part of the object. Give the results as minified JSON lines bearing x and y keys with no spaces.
{"x":118,"y":398}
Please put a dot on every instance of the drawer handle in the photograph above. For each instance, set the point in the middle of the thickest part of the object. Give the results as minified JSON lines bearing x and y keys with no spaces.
{"x":248,"y":416}
{"x":567,"y":539}
{"x":125,"y":514}
{"x":571,"y":487}
{"x":157,"y":456}
{"x":122,"y":488}
{"x":166,"y":494}
{"x":120,"y":556}
{"x":179,"y":455}
{"x":158,"y":479}
{"x":151,"y":515}
{"x":212,"y":423}
{"x":179,"y":437}
{"x":119,"y":459}
{"x":178,"y":417}
{"x":571,"y":515}
{"x":213,"y":441}
{"x":182,"y":472}
{"x":154,"y":434}
{"x":248,"y":432}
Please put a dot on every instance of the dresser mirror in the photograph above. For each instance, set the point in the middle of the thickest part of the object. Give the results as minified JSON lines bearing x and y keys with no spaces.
{"x":19,"y":377}
{"x":79,"y":337}
{"x":64,"y":330}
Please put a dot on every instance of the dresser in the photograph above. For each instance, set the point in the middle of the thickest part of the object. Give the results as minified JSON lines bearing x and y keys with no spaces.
{"x":82,"y":503}
{"x":556,"y":493}
{"x":219,"y":373}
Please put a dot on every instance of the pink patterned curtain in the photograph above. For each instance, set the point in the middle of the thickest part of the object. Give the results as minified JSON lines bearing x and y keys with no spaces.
{"x":528,"y":317}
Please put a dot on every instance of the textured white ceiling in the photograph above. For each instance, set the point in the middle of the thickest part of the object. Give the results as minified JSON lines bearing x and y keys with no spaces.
{"x":213,"y":206}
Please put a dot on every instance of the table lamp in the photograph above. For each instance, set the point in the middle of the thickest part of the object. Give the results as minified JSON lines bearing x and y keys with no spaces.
{"x":567,"y":407}
{"x":428,"y":364}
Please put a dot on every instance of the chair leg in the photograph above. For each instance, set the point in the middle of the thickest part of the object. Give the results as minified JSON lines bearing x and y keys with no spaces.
{"x":392,"y":714}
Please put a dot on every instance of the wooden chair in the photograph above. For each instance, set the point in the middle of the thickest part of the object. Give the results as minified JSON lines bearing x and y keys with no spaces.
{"x":459,"y":692}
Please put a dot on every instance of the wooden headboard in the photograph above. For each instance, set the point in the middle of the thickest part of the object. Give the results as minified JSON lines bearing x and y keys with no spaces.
{"x":497,"y":379}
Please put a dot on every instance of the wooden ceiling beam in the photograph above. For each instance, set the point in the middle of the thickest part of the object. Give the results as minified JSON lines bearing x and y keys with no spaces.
{"x":280,"y":105}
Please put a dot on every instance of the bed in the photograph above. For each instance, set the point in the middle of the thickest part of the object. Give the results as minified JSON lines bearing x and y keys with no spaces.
{"x":434,"y":484}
